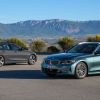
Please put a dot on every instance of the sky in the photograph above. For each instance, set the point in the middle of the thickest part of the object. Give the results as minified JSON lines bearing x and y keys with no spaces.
{"x":20,"y":10}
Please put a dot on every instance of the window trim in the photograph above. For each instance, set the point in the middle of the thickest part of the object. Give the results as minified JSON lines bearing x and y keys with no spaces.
{"x":14,"y":45}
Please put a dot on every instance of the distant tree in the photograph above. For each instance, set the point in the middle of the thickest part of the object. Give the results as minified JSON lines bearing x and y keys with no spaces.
{"x":66,"y":42}
{"x":19,"y":42}
{"x":38,"y":45}
{"x":91,"y":39}
{"x":97,"y":38}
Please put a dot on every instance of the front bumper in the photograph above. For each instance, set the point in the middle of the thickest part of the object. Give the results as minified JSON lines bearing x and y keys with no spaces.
{"x":60,"y":69}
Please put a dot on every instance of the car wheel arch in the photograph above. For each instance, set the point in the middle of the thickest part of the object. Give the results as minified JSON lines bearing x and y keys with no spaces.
{"x":85,"y":64}
{"x":3,"y":58}
{"x":34,"y":55}
{"x":31,"y":61}
{"x":74,"y":66}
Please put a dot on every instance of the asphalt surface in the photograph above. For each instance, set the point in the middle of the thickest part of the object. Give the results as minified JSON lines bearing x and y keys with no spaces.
{"x":24,"y":82}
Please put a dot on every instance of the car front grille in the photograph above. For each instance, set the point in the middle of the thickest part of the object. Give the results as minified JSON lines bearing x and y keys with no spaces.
{"x":52,"y":62}
{"x":47,"y":61}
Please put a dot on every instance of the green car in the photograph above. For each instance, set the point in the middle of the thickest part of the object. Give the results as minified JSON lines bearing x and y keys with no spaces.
{"x":80,"y":60}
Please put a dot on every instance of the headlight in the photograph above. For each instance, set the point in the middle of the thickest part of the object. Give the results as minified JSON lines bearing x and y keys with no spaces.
{"x":67,"y":61}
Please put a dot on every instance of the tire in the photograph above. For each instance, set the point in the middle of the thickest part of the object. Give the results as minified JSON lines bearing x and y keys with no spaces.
{"x":2,"y":61}
{"x":32,"y":60}
{"x":81,"y":70}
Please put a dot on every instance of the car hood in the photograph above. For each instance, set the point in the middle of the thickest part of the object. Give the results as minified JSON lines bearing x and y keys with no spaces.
{"x":62,"y":56}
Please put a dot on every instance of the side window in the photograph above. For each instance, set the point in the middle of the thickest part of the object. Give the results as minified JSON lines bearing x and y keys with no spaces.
{"x":6,"y":47}
{"x":14,"y":47}
{"x":1,"y":47}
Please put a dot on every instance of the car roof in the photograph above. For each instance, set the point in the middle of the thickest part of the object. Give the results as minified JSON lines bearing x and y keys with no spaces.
{"x":5,"y":42}
{"x":90,"y":43}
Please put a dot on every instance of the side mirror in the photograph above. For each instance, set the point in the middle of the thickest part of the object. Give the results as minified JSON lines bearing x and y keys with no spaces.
{"x":24,"y":48}
{"x":97,"y":53}
{"x":20,"y":49}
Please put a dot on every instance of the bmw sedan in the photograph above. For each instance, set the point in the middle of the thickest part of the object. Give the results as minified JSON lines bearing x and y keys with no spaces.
{"x":80,"y":60}
{"x":12,"y":53}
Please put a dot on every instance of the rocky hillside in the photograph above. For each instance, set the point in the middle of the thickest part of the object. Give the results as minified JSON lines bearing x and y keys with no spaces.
{"x":49,"y":28}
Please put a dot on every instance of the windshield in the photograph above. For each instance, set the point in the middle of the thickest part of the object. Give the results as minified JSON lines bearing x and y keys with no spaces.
{"x":84,"y":48}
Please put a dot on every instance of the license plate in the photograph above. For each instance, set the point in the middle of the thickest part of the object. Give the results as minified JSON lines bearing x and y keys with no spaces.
{"x":50,"y":67}
{"x":64,"y":69}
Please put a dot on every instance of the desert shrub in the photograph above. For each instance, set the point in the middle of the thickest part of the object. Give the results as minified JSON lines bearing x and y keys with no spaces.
{"x":94,"y":38}
{"x":91,"y":39}
{"x":97,"y":38}
{"x":53,"y":49}
{"x":38,"y":45}
{"x":66,"y":42}
{"x":1,"y":40}
{"x":19,"y":42}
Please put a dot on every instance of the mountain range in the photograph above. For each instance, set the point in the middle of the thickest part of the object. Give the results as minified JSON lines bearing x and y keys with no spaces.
{"x":53,"y":28}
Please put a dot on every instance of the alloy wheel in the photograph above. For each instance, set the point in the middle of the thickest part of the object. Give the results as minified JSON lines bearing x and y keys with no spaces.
{"x":1,"y":61}
{"x":81,"y":70}
{"x":32,"y":59}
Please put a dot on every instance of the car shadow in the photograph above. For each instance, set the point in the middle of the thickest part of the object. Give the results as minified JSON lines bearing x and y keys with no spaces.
{"x":32,"y":74}
{"x":94,"y":75}
{"x":11,"y":64}
{"x":29,"y":74}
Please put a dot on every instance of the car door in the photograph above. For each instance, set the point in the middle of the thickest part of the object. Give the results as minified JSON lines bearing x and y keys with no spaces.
{"x":95,"y":60}
{"x":7,"y":53}
{"x":19,"y":54}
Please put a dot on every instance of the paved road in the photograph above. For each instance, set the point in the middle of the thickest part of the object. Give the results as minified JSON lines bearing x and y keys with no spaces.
{"x":24,"y":82}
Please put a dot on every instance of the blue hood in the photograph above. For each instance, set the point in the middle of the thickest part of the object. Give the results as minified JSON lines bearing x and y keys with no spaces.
{"x":63,"y":56}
